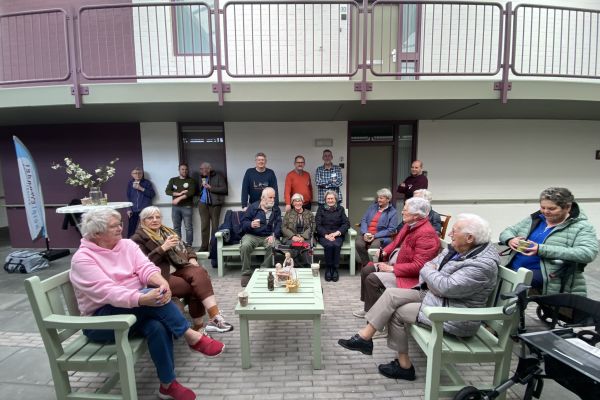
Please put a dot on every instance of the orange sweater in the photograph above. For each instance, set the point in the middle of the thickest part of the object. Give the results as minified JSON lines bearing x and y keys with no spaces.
{"x":296,"y":183}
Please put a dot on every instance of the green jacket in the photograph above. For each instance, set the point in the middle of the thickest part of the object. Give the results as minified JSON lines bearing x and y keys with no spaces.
{"x":573,"y":240}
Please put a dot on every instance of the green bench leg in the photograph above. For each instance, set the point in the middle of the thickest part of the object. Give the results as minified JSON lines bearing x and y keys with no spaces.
{"x":317,"y":342}
{"x":245,"y":342}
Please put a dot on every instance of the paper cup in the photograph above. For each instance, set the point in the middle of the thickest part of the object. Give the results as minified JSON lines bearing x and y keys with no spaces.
{"x":243,"y":298}
{"x":315,"y":269}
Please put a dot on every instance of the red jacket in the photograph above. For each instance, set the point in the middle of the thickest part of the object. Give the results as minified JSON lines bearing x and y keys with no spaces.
{"x":418,"y":244}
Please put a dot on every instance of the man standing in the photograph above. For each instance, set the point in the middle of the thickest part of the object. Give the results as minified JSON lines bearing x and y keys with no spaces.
{"x":415,"y":181}
{"x":213,"y":189}
{"x":298,"y":181}
{"x":328,"y":177}
{"x":256,"y":180}
{"x":261,"y":225}
{"x":140,"y":193}
{"x":182,"y":188}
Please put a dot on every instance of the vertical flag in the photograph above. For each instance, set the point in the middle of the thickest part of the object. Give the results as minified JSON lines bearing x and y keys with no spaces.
{"x":32,"y":191}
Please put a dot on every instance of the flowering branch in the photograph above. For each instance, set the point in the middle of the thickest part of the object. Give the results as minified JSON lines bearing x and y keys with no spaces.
{"x":77,"y":176}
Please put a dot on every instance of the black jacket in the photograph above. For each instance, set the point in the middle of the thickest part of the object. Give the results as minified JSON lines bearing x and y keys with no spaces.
{"x":331,"y":220}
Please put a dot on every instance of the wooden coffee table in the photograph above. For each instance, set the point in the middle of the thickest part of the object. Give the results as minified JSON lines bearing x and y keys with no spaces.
{"x":306,"y":304}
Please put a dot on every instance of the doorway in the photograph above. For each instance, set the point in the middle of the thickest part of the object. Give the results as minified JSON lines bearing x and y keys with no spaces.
{"x":379,"y":156}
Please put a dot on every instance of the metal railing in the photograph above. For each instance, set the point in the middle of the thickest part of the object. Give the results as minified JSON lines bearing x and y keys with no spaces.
{"x":34,"y":47}
{"x":298,"y":39}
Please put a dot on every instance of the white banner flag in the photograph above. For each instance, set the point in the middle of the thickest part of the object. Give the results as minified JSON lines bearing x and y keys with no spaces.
{"x":32,"y":191}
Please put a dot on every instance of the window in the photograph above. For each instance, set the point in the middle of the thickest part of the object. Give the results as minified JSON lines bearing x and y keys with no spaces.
{"x":203,"y":143}
{"x":194,"y":32}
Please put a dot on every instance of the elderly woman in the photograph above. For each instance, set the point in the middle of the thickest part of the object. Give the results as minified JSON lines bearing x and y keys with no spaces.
{"x":434,"y":218}
{"x":558,"y":231}
{"x":377,"y":225}
{"x":332,"y":224}
{"x":112,"y":276}
{"x":298,"y":227}
{"x":189,"y":280}
{"x":463,"y":275}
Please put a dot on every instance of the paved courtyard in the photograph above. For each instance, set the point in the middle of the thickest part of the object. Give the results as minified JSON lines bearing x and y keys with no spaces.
{"x":281,"y":352}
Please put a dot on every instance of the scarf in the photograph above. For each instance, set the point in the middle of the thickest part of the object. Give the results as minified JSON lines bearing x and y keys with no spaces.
{"x":177,"y":255}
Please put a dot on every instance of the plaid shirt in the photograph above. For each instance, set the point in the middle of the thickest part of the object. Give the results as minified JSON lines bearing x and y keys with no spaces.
{"x":328,"y":179}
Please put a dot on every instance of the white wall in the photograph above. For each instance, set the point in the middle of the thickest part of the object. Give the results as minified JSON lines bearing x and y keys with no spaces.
{"x":497,"y":168}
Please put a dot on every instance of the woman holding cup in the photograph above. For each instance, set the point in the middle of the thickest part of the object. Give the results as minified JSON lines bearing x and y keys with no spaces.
{"x":189,"y":280}
{"x":550,"y":241}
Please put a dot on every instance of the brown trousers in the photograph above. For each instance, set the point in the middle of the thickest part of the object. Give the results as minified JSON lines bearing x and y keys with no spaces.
{"x":193,"y":284}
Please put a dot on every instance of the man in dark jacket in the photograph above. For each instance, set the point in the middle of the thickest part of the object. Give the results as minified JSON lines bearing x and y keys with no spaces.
{"x":213,"y":189}
{"x":415,"y":181}
{"x":261,"y":225}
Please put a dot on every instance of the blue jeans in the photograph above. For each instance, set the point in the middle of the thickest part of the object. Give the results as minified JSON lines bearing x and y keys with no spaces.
{"x":182,"y":212}
{"x":157,"y":324}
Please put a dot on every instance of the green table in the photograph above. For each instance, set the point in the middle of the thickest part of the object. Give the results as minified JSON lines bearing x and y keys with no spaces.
{"x":306,"y":304}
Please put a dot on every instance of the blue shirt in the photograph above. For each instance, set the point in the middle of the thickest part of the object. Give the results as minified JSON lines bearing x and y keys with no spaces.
{"x":538,"y":235}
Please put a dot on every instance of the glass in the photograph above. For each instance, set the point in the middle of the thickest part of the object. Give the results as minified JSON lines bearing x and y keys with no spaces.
{"x":96,"y":195}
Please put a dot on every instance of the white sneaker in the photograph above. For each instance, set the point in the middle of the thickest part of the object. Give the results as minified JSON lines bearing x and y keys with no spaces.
{"x":381,"y":334}
{"x":359,"y":313}
{"x":218,"y":325}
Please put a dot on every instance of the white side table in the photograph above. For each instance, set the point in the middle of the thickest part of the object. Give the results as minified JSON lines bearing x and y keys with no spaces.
{"x":82,"y":209}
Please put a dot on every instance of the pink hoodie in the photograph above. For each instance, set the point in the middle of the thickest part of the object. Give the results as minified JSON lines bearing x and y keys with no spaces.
{"x":101,"y":276}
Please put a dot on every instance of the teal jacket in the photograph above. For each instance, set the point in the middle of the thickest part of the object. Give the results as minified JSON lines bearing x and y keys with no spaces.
{"x":573,"y":240}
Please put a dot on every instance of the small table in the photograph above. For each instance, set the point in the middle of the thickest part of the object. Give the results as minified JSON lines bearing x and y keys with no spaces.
{"x":79,"y":209}
{"x":306,"y":304}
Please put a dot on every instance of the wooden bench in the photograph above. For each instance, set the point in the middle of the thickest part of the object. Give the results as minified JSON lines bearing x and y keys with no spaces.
{"x":233,"y":250}
{"x":491,"y":344}
{"x":58,"y":318}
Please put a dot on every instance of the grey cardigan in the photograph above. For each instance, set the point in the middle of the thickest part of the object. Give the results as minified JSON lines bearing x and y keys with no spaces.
{"x":466,"y":281}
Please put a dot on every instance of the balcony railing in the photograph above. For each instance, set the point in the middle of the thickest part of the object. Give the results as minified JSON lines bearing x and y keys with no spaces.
{"x":298,"y":39}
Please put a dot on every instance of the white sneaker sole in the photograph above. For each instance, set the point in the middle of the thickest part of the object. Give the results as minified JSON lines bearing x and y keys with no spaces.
{"x":359,"y":315}
{"x":216,"y":329}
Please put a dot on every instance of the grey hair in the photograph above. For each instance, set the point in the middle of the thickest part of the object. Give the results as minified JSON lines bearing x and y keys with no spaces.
{"x":297,"y":196}
{"x":385,"y":192}
{"x":476,"y":226}
{"x":418,"y":206}
{"x":423,"y":193}
{"x":333,"y":192}
{"x":265,"y":190}
{"x":148,"y":211}
{"x":562,"y":197}
{"x":260,"y":154}
{"x":206,"y":165}
{"x":95,"y":221}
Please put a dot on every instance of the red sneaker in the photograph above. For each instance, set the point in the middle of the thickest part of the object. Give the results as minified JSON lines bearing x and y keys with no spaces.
{"x":208,"y":346}
{"x":176,"y":391}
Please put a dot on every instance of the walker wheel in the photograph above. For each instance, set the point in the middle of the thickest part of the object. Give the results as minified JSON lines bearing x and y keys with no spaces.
{"x":469,"y":393}
{"x":544,"y":315}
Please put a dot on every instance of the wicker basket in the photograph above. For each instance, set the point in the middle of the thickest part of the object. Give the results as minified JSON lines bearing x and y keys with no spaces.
{"x":292,"y":285}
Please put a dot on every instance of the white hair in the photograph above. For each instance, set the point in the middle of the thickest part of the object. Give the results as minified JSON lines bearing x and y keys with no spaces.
{"x":95,"y":221}
{"x":148,"y":211}
{"x":423,"y":193}
{"x":385,"y":192}
{"x":476,"y":226}
{"x":418,"y":206}
{"x":297,"y":196}
{"x":263,"y":194}
{"x":331,"y":192}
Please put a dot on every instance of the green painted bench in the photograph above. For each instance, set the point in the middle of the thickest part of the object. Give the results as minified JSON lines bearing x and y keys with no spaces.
{"x":57,"y":316}
{"x":233,"y":250}
{"x":491,"y":344}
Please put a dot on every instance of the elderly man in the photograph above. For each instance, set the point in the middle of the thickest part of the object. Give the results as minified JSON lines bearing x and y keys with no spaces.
{"x":182,"y":188}
{"x":377,"y":226}
{"x":463,"y":275}
{"x":213,"y":189}
{"x":328,"y":177}
{"x":417,"y":243}
{"x":261,"y":225}
{"x":256,"y":179}
{"x":298,"y":181}
{"x":415,"y":181}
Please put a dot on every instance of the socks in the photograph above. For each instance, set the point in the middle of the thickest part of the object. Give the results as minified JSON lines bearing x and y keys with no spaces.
{"x":214,"y":310}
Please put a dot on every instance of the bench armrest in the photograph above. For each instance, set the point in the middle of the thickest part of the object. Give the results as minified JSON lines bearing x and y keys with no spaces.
{"x":352,"y":233}
{"x":440,"y":314}
{"x":114,"y":322}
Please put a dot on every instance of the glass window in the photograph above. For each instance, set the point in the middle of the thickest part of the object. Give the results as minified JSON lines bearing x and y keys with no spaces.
{"x":193,"y":34}
{"x":203,"y":143}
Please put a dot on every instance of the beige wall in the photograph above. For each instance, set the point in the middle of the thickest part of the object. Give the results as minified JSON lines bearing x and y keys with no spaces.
{"x":497,"y":168}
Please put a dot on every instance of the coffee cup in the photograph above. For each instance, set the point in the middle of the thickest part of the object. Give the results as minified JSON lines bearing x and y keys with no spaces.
{"x":243,"y":298}
{"x":369,"y":236}
{"x":315,"y":269}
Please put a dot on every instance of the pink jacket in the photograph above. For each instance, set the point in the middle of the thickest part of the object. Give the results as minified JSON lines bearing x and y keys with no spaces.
{"x":418,"y":244}
{"x":101,"y":276}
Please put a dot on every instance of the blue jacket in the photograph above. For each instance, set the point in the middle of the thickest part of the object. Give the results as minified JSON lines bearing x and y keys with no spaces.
{"x":140,"y":199}
{"x":386,"y":226}
{"x":266,"y":229}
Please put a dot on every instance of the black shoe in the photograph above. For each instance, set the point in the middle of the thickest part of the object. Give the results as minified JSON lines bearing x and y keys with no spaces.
{"x":245,"y":279}
{"x":357,"y":343}
{"x":393,"y":370}
{"x":328,"y":274}
{"x":335,"y":276}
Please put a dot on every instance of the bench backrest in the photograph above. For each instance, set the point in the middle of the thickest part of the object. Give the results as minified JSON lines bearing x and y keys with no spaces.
{"x":54,"y":295}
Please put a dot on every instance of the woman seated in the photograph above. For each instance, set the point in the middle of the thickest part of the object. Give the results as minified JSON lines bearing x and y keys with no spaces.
{"x":189,"y":280}
{"x":112,"y":276}
{"x":297,"y":229}
{"x":558,"y":231}
{"x":377,"y":225}
{"x":463,"y":275}
{"x":332,"y":224}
